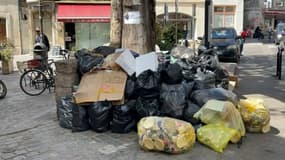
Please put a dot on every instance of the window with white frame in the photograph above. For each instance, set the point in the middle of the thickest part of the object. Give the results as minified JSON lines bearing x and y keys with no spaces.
{"x":224,"y":16}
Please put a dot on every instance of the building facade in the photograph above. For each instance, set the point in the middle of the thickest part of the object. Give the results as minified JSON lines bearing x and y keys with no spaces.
{"x":274,"y":12}
{"x":86,"y":23}
{"x":228,"y":13}
{"x":253,"y":16}
{"x":10,"y":23}
{"x":190,"y":13}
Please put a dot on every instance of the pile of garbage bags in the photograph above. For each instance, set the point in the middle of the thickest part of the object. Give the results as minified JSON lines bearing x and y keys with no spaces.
{"x":169,"y":96}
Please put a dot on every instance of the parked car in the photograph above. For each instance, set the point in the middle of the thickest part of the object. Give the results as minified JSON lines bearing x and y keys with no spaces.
{"x":279,"y":33}
{"x":226,"y":42}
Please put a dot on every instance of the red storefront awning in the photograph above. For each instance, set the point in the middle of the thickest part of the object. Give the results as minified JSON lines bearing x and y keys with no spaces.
{"x":86,"y":13}
{"x":273,"y":12}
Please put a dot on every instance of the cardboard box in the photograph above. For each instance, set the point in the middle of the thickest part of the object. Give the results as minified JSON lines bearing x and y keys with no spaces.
{"x":101,"y":86}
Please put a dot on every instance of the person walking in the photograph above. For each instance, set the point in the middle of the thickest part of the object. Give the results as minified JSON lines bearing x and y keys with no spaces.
{"x":42,"y":38}
{"x":242,"y":40}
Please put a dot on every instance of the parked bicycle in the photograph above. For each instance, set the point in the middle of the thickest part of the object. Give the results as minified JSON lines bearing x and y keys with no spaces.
{"x":3,"y":89}
{"x":39,"y":75}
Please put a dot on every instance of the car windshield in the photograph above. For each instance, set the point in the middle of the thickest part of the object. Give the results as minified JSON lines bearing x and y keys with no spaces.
{"x":222,"y":34}
{"x":281,"y":28}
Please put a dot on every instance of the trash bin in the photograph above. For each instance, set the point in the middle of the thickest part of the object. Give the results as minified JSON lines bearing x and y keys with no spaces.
{"x":40,"y":51}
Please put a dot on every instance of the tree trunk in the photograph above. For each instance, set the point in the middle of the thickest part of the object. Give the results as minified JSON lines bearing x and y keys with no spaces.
{"x":139,"y":25}
{"x":116,"y":24}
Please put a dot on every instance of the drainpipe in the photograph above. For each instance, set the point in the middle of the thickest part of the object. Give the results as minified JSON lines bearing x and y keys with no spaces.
{"x":20,"y":29}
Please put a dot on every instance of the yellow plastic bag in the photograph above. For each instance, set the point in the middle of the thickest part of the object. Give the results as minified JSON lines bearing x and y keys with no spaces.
{"x":216,"y":136}
{"x":222,"y":112}
{"x":165,"y":134}
{"x":255,"y":114}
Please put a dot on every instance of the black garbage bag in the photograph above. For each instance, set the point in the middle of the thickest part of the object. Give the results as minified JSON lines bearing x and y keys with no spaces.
{"x":188,"y":75}
{"x":79,"y":118}
{"x":86,"y":61}
{"x":172,"y":74}
{"x":123,"y":119}
{"x":200,"y":97}
{"x":188,"y":86}
{"x":100,"y":116}
{"x":206,"y":76}
{"x":204,"y":79}
{"x":173,"y":100}
{"x":65,"y":112}
{"x":147,"y":85}
{"x":189,"y":112}
{"x":146,"y":107}
{"x":200,"y":85}
{"x":130,"y":87}
{"x":104,"y":50}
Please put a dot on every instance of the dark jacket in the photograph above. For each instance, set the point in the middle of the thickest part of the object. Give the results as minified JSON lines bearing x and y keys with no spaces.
{"x":43,"y":39}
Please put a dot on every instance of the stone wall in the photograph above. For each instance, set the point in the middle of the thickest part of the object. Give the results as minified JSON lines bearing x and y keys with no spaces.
{"x":66,"y":78}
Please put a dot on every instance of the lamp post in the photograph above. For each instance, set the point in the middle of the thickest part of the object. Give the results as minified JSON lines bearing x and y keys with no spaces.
{"x":176,"y":23}
{"x":40,"y":16}
{"x":207,"y":18}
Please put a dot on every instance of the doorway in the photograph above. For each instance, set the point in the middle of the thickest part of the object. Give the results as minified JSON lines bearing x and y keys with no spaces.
{"x":3,"y":35}
{"x":69,"y":35}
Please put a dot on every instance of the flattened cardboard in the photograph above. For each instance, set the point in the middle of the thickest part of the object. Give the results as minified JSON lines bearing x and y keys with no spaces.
{"x":101,"y":86}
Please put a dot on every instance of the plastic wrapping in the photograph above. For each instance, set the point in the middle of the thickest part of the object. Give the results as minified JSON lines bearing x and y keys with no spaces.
{"x":165,"y":134}
{"x":189,"y":112}
{"x":130,"y":87}
{"x":200,"y":97}
{"x":65,"y":112}
{"x":183,"y":52}
{"x":172,"y":74}
{"x":123,"y":119}
{"x":216,"y":136}
{"x":222,"y":112}
{"x":255,"y":114}
{"x":104,"y":50}
{"x":148,"y":84}
{"x":79,"y":118}
{"x":173,"y":99}
{"x":86,"y":61}
{"x":146,"y":107}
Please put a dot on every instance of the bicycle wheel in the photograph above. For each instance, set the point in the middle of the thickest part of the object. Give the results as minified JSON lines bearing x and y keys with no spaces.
{"x":33,"y":82}
{"x":3,"y":89}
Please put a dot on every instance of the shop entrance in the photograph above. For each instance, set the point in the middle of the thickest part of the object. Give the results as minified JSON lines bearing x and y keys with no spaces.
{"x":69,"y":35}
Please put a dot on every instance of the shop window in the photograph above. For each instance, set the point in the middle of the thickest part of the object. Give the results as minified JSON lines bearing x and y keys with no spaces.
{"x":224,"y":16}
{"x":92,"y":35}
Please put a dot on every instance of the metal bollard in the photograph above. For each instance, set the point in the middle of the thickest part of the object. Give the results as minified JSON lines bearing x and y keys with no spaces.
{"x":279,"y":62}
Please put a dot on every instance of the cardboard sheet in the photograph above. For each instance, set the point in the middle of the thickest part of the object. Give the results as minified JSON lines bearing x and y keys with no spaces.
{"x":101,"y":86}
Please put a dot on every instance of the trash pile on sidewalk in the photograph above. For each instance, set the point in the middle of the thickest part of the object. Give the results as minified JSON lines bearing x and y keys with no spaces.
{"x":169,"y":99}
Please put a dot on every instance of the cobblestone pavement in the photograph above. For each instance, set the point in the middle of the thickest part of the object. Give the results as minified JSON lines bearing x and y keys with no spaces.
{"x":29,"y":129}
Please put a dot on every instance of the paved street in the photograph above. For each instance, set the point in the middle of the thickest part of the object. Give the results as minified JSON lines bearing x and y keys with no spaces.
{"x":29,"y":129}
